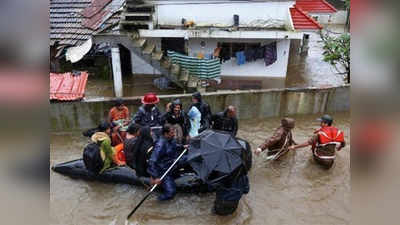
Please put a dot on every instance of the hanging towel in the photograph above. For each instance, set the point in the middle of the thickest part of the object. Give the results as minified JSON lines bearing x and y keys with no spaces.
{"x":270,"y":55}
{"x":202,"y":68}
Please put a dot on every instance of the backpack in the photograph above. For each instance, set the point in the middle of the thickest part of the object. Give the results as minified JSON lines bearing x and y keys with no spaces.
{"x":92,"y":158}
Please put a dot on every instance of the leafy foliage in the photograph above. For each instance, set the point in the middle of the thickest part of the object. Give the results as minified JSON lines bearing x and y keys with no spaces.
{"x":337,"y":53}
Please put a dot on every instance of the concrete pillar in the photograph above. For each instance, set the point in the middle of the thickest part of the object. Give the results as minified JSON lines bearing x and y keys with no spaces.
{"x":117,"y":74}
{"x":133,"y":58}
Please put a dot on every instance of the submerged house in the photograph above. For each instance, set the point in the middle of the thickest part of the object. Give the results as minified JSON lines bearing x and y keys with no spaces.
{"x":232,"y":44}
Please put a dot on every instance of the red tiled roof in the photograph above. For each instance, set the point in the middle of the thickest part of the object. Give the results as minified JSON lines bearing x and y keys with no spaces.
{"x":67,"y":87}
{"x":315,"y":6}
{"x":95,"y":21}
{"x":94,"y":8}
{"x":302,"y":21}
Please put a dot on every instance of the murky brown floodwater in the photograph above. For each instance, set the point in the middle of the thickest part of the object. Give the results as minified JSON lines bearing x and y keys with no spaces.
{"x":292,"y":191}
{"x":310,"y":70}
{"x":136,"y":85}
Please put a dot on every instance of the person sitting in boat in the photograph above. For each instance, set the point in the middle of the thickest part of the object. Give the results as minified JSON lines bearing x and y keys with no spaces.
{"x":98,"y":156}
{"x":176,"y":117}
{"x":165,"y":152}
{"x":129,"y":142}
{"x":204,"y":109}
{"x":226,"y":121}
{"x":118,"y":117}
{"x":279,"y":142}
{"x":148,"y":114}
{"x":325,"y":142}
{"x":194,"y":116}
{"x":139,"y":144}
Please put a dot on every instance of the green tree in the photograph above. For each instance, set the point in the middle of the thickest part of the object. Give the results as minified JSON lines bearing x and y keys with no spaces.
{"x":337,"y":53}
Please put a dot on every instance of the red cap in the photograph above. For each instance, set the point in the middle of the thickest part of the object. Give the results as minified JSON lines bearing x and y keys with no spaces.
{"x":150,"y":98}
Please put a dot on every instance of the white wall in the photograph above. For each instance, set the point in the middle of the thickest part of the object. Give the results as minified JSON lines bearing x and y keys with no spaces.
{"x":222,"y":13}
{"x":337,"y":18}
{"x":251,"y":69}
{"x":229,"y":68}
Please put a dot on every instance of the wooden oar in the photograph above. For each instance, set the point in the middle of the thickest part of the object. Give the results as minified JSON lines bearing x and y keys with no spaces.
{"x":156,"y":185}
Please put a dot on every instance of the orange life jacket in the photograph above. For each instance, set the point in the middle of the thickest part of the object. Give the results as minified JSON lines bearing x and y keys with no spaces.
{"x":326,"y":136}
{"x":329,"y":135}
{"x":119,"y":156}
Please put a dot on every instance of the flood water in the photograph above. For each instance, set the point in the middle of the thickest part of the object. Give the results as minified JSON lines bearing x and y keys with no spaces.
{"x":310,"y":70}
{"x":293,"y":190}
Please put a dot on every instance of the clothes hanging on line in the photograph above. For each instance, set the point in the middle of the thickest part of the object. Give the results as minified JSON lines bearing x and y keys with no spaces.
{"x":259,"y":52}
{"x":202,"y":68}
{"x":240,"y":58}
{"x":250,"y":55}
{"x":270,"y":55}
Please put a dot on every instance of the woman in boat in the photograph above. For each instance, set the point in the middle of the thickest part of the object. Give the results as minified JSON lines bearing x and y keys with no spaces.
{"x":98,"y":156}
{"x":177,"y":117}
{"x":194,"y":116}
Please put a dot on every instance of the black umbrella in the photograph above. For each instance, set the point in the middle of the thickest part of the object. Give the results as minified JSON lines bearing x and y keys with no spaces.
{"x":214,"y":155}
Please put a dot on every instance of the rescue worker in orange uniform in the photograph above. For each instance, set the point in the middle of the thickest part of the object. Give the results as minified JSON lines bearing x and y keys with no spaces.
{"x":325,"y":142}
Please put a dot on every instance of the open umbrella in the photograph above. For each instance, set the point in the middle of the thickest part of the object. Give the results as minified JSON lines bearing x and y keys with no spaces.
{"x":214,"y":155}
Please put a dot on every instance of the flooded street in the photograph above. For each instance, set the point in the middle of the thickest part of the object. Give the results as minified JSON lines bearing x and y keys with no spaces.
{"x":133,"y":86}
{"x":309,"y":70}
{"x":294,"y":190}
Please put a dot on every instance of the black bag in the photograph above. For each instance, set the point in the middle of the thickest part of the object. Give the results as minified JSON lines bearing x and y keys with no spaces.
{"x":92,"y":158}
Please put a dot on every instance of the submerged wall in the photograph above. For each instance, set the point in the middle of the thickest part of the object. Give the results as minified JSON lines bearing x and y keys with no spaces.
{"x":250,"y":104}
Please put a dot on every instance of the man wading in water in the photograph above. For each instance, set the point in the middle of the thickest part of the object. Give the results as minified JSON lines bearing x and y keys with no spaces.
{"x":279,"y":142}
{"x":325,"y":142}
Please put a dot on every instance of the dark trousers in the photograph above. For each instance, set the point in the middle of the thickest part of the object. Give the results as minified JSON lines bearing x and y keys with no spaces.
{"x":169,"y":188}
{"x":224,"y":207}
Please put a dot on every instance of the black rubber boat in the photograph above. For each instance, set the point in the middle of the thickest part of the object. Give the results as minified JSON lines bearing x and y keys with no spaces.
{"x":186,"y":182}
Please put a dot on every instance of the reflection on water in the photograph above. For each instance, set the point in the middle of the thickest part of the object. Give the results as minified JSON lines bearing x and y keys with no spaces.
{"x":293,"y":190}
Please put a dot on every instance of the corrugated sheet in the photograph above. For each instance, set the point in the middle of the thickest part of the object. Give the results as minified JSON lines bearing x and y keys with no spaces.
{"x":302,"y":21}
{"x":315,"y":6}
{"x":67,"y":87}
